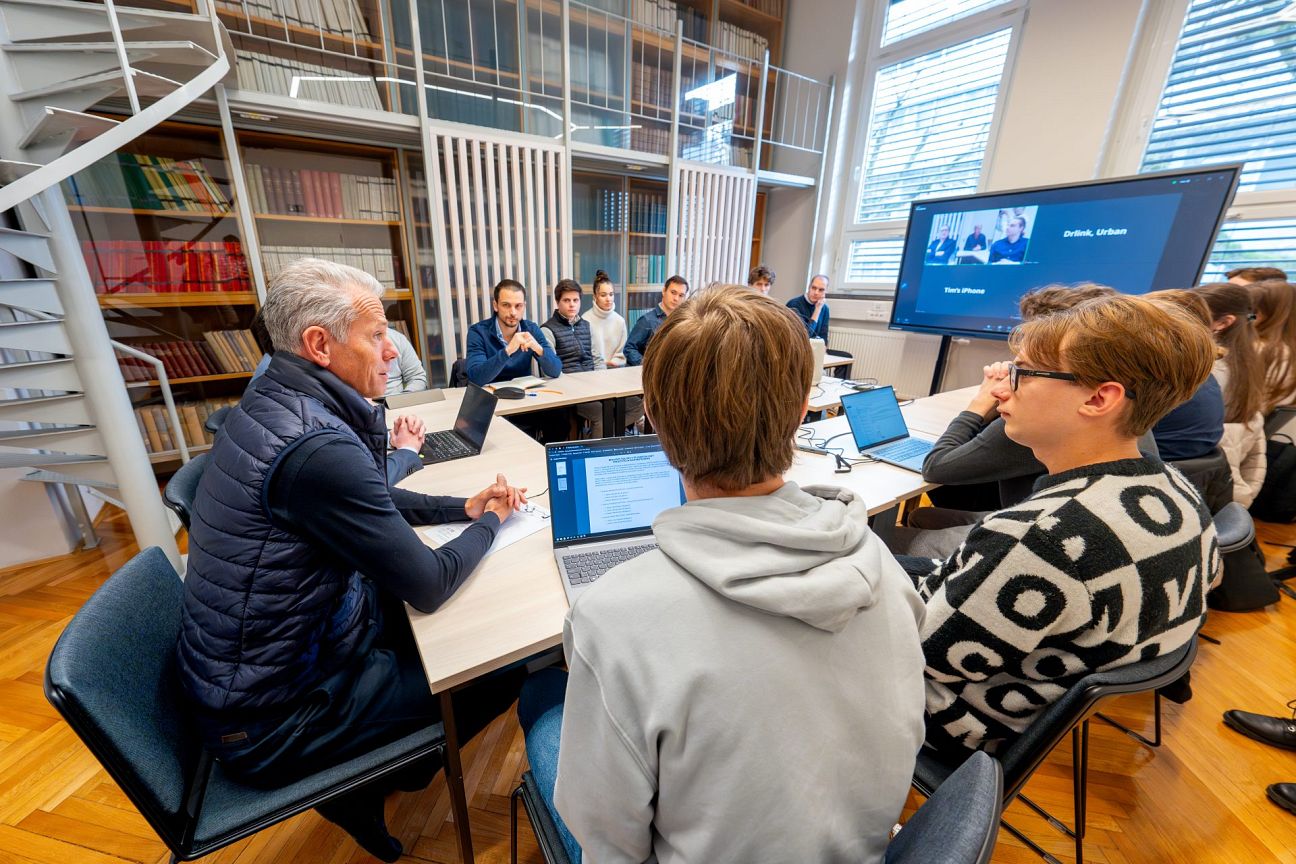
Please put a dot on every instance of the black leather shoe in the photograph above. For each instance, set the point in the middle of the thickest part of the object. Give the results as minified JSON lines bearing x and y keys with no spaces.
{"x":1284,"y":795}
{"x":1275,"y":731}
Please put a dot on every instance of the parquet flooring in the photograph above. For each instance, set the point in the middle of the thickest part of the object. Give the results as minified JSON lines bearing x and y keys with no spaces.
{"x":1200,"y":797}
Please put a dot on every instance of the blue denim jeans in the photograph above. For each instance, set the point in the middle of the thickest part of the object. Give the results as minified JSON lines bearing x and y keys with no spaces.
{"x":540,"y":711}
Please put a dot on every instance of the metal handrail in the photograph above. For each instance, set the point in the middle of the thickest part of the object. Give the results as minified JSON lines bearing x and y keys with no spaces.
{"x":177,"y":430}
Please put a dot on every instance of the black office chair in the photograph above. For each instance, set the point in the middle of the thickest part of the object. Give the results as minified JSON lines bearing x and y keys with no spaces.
{"x":1211,"y":475}
{"x":959,"y":824}
{"x":182,"y":488}
{"x":113,"y":678}
{"x":459,"y":373}
{"x":542,"y":823}
{"x":1070,"y":714}
{"x":216,"y":419}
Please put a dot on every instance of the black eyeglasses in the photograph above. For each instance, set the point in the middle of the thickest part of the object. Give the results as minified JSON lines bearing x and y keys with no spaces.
{"x":1015,"y":374}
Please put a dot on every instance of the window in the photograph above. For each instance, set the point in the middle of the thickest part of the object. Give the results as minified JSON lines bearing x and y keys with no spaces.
{"x":1269,"y":243}
{"x":905,"y":18}
{"x":929,"y":125}
{"x":874,"y":261}
{"x":1228,"y":97}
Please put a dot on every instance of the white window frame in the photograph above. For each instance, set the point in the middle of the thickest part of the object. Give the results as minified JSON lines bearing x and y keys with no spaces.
{"x":1011,"y":14}
{"x":1137,"y":107}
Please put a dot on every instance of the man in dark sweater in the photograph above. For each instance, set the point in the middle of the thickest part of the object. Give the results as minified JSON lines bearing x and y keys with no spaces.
{"x":672,"y":295}
{"x":501,"y":347}
{"x":1109,"y":560}
{"x":812,"y":307}
{"x":294,"y":649}
{"x":568,"y":334}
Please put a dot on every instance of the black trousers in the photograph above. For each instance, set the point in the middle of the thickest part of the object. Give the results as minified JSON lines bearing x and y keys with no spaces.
{"x":380,"y":697}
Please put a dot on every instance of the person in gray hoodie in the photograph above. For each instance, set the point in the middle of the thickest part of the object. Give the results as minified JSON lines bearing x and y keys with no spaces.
{"x":752,"y":689}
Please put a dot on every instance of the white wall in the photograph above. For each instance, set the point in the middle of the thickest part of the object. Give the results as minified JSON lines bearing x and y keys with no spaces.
{"x":1062,"y":94}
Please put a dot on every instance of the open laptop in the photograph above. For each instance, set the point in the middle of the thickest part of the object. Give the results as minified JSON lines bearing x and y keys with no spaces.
{"x":879,"y":429}
{"x":469,"y":432}
{"x":604,"y":496}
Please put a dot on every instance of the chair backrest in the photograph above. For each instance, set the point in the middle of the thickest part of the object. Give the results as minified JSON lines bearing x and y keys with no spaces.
{"x":459,"y":373}
{"x":1212,"y":477}
{"x":959,"y":823}
{"x":1025,"y":754}
{"x":216,"y":419}
{"x":112,"y":675}
{"x":1234,"y":527}
{"x":183,"y":487}
{"x":414,"y":397}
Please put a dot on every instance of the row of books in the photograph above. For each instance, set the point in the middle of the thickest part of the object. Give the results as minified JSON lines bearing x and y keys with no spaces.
{"x":769,"y":7}
{"x":652,"y":89}
{"x":137,"y":181}
{"x":318,"y":83}
{"x":647,"y":213}
{"x":647,"y":269}
{"x":329,"y":194}
{"x":166,"y":266}
{"x":235,"y":350}
{"x":650,"y":139}
{"x":382,"y":264}
{"x":742,"y":42}
{"x":180,"y":359}
{"x":662,"y":14}
{"x":155,"y":426}
{"x":331,"y":16}
{"x":602,"y":210}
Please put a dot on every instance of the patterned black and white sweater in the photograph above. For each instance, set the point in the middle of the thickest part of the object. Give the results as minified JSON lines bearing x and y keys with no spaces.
{"x":1100,"y":567}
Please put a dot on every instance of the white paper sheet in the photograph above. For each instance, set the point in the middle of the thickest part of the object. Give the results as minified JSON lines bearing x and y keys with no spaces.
{"x":519,"y":526}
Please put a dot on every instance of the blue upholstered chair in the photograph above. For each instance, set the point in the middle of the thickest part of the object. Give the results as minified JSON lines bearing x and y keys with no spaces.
{"x":112,"y":675}
{"x":959,"y":823}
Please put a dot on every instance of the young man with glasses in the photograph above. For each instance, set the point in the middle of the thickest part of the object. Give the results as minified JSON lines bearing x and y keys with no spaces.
{"x":1109,"y":559}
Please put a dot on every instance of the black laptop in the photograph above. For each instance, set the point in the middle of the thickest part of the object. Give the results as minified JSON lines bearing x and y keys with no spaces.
{"x":469,"y":432}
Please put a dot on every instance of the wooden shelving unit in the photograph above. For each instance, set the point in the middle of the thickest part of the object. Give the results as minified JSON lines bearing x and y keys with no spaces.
{"x":157,"y":222}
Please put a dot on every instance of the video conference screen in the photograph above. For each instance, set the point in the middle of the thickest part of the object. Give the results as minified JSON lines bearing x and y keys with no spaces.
{"x":968,"y":261}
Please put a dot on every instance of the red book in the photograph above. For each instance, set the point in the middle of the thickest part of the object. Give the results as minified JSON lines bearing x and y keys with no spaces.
{"x":311,"y":200}
{"x":335,"y":193}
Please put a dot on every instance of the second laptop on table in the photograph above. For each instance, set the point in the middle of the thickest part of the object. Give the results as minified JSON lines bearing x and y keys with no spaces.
{"x":604,"y":496}
{"x":469,"y":432}
{"x":879,"y":429}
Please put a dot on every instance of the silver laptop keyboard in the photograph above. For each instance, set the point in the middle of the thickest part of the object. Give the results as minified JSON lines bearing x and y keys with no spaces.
{"x":444,"y":445}
{"x":588,"y":566}
{"x":902,"y":450}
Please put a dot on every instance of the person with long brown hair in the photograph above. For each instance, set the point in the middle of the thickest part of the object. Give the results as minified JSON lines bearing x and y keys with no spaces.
{"x":1194,"y":428}
{"x":1241,"y":377}
{"x":1275,"y":306}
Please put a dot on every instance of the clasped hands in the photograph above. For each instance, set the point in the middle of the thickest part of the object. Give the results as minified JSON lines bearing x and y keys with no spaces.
{"x":498,"y":498}
{"x":983,"y":402}
{"x":524,"y":340}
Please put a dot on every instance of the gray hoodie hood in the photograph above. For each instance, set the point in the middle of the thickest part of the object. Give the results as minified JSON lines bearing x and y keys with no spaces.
{"x":797,"y":553}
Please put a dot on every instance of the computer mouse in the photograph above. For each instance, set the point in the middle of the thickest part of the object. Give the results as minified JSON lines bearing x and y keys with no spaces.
{"x":510,"y":392}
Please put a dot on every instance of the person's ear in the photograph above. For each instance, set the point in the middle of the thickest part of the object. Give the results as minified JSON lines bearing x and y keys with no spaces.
{"x":316,"y":345}
{"x":1222,"y":323}
{"x":1108,"y":399}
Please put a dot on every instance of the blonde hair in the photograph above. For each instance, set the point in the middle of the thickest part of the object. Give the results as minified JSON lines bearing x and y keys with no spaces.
{"x":1275,"y":304}
{"x":725,"y":381}
{"x":1244,"y":395}
{"x":1158,"y":352}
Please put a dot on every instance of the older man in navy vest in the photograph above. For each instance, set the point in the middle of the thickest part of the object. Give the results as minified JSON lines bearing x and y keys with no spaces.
{"x":294,"y":650}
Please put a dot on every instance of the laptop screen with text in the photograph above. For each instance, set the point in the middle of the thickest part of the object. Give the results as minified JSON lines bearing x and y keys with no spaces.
{"x":607,"y":488}
{"x":874,"y":417}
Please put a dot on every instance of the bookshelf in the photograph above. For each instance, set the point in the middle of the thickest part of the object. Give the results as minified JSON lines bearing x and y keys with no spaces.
{"x":346,"y":206}
{"x":424,"y":269}
{"x":619,"y":225}
{"x":158,"y":225}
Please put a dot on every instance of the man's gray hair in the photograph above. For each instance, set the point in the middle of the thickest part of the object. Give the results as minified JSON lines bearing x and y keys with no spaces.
{"x":312,"y":292}
{"x":823,"y":276}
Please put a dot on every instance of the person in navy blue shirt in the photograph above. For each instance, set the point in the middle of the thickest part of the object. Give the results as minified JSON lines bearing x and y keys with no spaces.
{"x":672,"y":295}
{"x":812,"y":307}
{"x":1012,"y":246}
{"x":501,"y":346}
{"x":942,"y":249}
{"x":976,"y":241}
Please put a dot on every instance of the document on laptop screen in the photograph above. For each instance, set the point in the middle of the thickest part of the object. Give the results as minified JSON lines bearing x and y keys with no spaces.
{"x":627,"y":491}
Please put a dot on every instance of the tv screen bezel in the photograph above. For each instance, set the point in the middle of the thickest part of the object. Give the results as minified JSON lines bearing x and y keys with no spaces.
{"x":1235,"y":167}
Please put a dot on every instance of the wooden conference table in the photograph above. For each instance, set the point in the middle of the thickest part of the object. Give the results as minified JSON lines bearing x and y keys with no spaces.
{"x":513,"y":605}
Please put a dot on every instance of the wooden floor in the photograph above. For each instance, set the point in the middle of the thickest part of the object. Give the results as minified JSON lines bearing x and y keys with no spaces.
{"x":1199,"y":798}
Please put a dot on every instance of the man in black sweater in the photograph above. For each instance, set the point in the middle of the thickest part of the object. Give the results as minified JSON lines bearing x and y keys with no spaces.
{"x":568,"y":334}
{"x":295,"y":652}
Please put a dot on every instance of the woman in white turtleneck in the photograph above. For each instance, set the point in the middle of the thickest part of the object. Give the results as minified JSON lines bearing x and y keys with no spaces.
{"x":607,"y":329}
